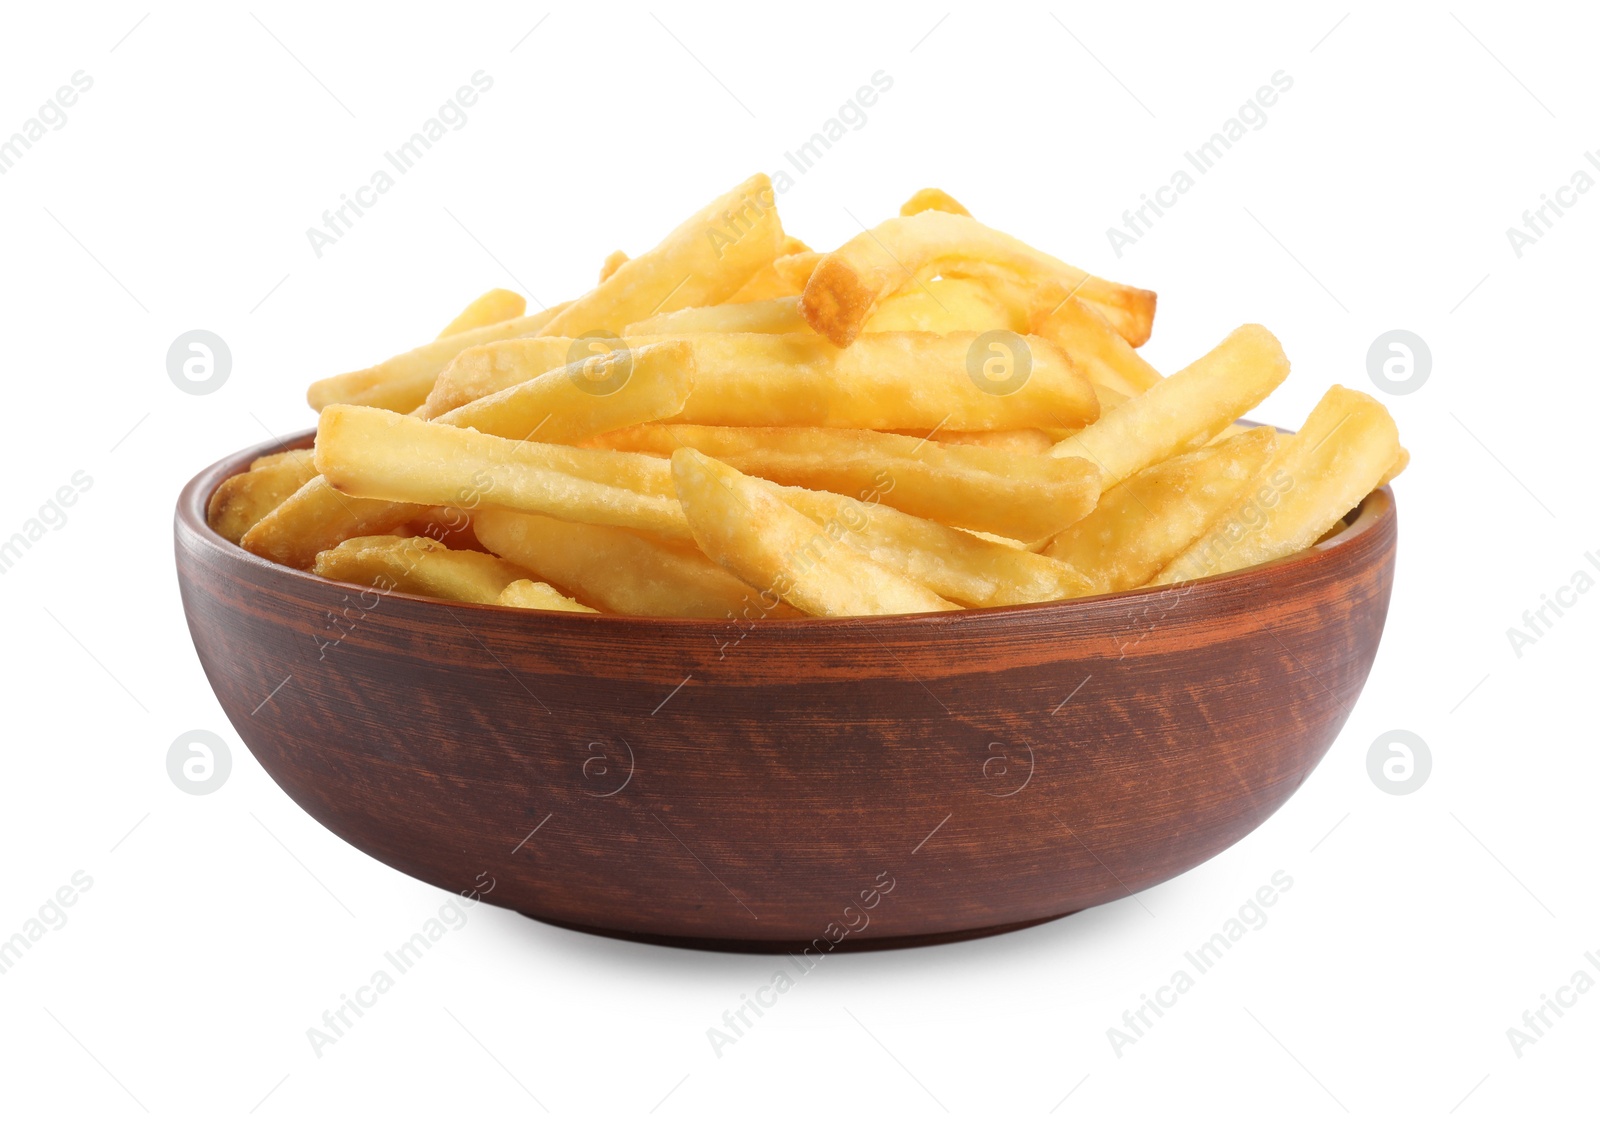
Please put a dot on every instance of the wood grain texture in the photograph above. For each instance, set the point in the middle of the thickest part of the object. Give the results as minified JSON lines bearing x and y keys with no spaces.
{"x":743,"y":787}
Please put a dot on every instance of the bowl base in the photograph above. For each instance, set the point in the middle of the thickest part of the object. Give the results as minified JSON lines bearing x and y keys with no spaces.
{"x":796,"y":946}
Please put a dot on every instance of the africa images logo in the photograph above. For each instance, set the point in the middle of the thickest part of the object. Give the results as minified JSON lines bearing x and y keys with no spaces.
{"x":340,"y":221}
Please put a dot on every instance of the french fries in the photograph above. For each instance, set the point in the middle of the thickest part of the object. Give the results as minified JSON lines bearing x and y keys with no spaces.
{"x":242,"y":500}
{"x":315,"y":517}
{"x":794,"y":270}
{"x":1015,"y":441}
{"x":847,"y":284}
{"x":1397,"y":468}
{"x":742,"y":523}
{"x":1108,"y":397}
{"x":418,"y":565}
{"x":613,"y":261}
{"x":1142,"y":524}
{"x":532,"y":380}
{"x":1195,"y":403}
{"x":378,"y":455}
{"x":932,"y":199}
{"x":1023,"y":497}
{"x":1232,"y":430}
{"x":962,"y":567}
{"x":932,"y":416}
{"x":554,"y":406}
{"x":885,"y":381}
{"x":267,"y":460}
{"x":402,"y":382}
{"x":707,"y":259}
{"x":769,"y":281}
{"x":777,"y":314}
{"x":530,"y":595}
{"x":1103,"y":356}
{"x":493,"y":307}
{"x":945,"y":305}
{"x":482,"y":370}
{"x":622,"y":572}
{"x":1346,"y":447}
{"x":587,"y":397}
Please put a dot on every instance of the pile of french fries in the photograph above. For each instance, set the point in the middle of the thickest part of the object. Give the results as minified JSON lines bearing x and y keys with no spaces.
{"x":932,"y":416}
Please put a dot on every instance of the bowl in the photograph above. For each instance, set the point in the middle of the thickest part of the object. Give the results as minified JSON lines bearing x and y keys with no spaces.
{"x":804,"y":785}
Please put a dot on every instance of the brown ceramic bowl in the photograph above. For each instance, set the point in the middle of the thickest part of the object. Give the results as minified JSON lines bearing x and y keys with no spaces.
{"x":810,"y":784}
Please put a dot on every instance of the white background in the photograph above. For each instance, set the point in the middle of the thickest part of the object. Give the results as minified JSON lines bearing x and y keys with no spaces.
{"x":1377,"y":196}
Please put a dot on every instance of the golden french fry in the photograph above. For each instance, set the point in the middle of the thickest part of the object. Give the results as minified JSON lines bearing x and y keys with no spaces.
{"x":488,"y":368}
{"x":1030,"y":441}
{"x":1142,"y":524}
{"x":622,"y":572}
{"x":552,"y":405}
{"x":1194,"y":404}
{"x":1317,"y":475}
{"x":1397,"y":468}
{"x":493,"y":307}
{"x":704,"y":261}
{"x":795,"y":269}
{"x":613,"y":262}
{"x":243,"y":499}
{"x":1026,"y":498}
{"x":437,"y":439}
{"x":530,"y":595}
{"x":368,"y":453}
{"x":742,"y":523}
{"x":621,"y":388}
{"x":943,"y":305}
{"x":767,"y":283}
{"x":1109,"y":398}
{"x":960,"y":566}
{"x":780,"y":314}
{"x":265,"y":461}
{"x":1232,"y":430}
{"x":932,"y":199}
{"x":402,"y":382}
{"x":885,"y":381}
{"x":316,"y":517}
{"x":1103,"y":356}
{"x":418,"y":566}
{"x":847,"y":284}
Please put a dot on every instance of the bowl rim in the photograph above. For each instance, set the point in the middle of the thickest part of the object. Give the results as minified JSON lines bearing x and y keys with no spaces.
{"x":190,"y":516}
